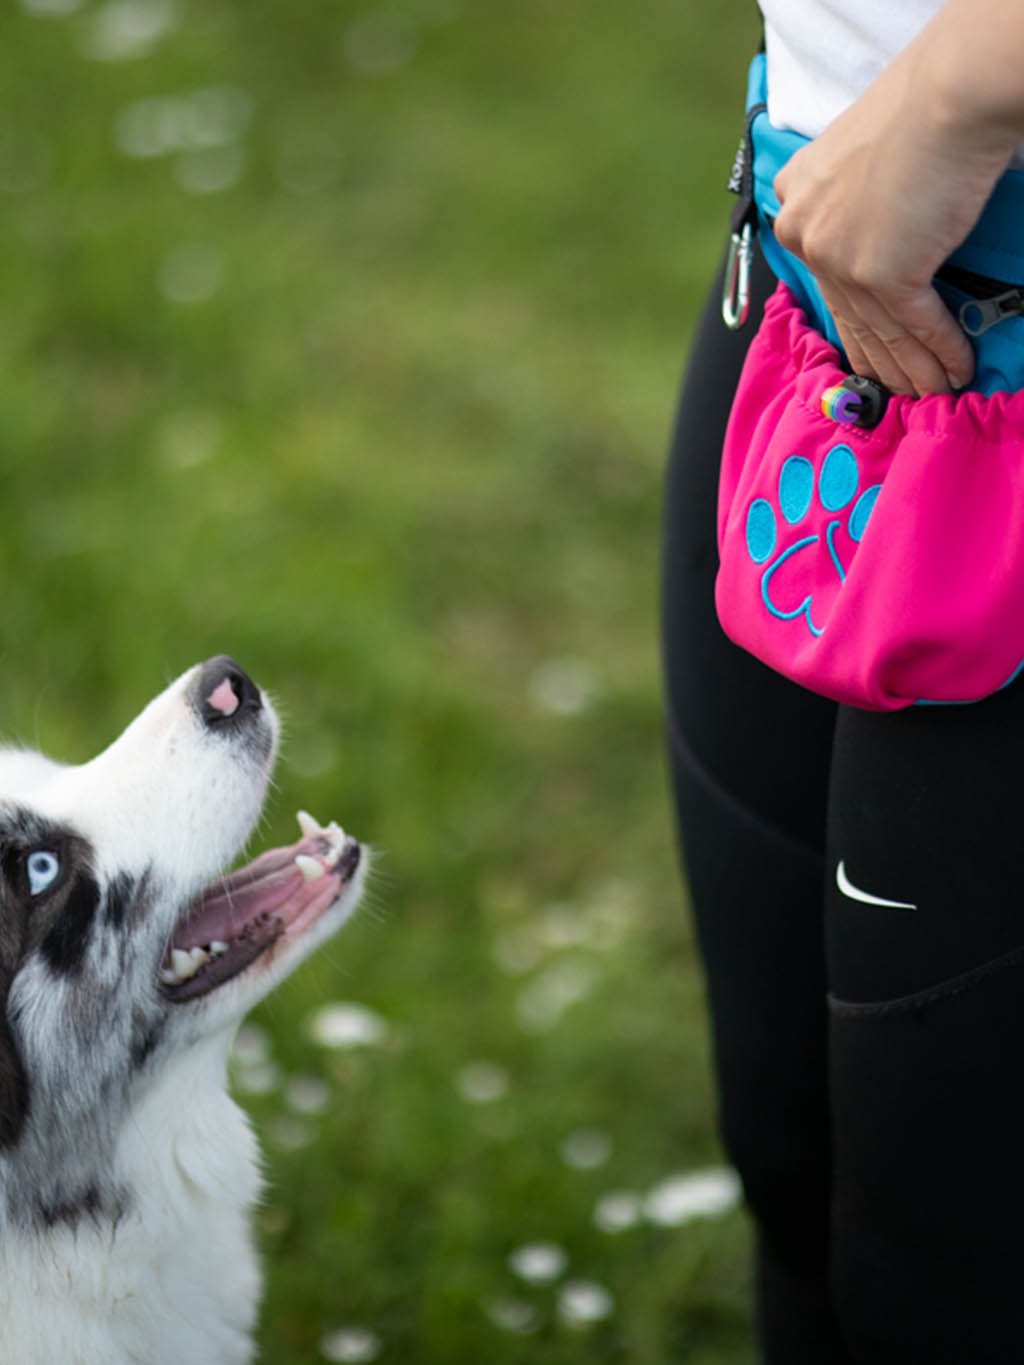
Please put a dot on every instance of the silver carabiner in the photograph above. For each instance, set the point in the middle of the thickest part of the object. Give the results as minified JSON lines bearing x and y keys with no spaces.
{"x":736,"y":285}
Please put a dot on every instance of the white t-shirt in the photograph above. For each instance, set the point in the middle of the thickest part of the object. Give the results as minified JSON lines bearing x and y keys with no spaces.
{"x":823,"y":53}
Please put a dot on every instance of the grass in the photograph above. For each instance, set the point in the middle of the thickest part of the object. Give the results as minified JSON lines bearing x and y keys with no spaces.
{"x":384,"y":416}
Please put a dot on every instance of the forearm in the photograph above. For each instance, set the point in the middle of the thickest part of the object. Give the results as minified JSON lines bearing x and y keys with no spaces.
{"x":896,"y":183}
{"x":968,"y":64}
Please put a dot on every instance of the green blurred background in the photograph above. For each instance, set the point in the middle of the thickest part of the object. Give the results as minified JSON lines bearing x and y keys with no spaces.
{"x":344,"y":338}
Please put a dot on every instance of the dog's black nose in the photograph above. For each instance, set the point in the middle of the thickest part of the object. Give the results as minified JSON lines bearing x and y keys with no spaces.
{"x":223,"y":693}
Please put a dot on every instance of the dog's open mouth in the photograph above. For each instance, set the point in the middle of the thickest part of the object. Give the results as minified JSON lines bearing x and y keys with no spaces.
{"x":238,"y":917}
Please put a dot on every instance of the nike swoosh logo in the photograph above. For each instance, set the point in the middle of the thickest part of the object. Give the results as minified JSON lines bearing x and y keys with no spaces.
{"x":865,"y":897}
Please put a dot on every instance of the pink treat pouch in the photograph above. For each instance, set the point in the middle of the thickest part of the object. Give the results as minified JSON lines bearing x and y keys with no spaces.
{"x":878,"y":567}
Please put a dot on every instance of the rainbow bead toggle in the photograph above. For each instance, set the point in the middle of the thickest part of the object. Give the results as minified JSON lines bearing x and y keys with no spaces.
{"x":856,"y":402}
{"x":840,"y":405}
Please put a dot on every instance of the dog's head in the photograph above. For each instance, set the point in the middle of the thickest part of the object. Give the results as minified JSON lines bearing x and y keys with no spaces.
{"x":121,"y":937}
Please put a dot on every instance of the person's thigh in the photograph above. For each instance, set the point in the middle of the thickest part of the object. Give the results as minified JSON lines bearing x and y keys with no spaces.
{"x":925,"y":938}
{"x":750,"y":760}
{"x":765,"y":740}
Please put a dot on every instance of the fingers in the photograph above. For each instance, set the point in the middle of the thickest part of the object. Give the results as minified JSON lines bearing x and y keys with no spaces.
{"x":860,"y":363}
{"x":865,"y":350}
{"x":912,"y":347}
{"x":933,"y":326}
{"x":876,"y":281}
{"x":904,"y":365}
{"x":893,"y":325}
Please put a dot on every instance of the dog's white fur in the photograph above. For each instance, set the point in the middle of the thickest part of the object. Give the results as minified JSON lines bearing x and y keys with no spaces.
{"x":126,"y":1188}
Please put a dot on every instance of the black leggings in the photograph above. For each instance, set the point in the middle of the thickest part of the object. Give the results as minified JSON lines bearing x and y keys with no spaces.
{"x":870,"y":1058}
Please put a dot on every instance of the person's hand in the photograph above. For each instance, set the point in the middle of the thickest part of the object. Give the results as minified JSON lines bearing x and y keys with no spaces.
{"x":876,"y":204}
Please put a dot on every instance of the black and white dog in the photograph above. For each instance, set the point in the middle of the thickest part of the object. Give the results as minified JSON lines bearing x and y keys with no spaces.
{"x":127,"y":959}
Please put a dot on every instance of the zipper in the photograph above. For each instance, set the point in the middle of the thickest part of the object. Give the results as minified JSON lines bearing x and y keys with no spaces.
{"x":736,"y":283}
{"x":992,"y":301}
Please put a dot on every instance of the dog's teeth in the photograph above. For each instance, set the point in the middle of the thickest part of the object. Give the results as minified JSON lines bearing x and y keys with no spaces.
{"x":308,"y":824}
{"x":167,"y":976}
{"x":217,"y":947}
{"x":335,"y":837}
{"x":199,"y":956}
{"x":309,"y":867}
{"x":183,"y":964}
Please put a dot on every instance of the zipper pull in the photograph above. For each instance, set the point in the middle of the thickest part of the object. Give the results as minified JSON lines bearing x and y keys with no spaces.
{"x":978,"y":315}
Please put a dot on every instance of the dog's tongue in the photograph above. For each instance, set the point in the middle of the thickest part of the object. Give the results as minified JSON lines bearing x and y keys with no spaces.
{"x":281,"y":883}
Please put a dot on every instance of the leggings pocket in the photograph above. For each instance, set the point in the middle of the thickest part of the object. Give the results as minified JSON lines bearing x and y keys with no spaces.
{"x":928,"y":1196}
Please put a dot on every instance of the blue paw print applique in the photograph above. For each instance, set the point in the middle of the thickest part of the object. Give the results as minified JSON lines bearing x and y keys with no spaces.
{"x":806,"y":542}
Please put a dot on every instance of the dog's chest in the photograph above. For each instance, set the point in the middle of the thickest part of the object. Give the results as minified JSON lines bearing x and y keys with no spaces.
{"x":177,"y":1277}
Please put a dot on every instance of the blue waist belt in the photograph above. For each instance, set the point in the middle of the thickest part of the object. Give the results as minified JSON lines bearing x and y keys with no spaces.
{"x":982,"y":282}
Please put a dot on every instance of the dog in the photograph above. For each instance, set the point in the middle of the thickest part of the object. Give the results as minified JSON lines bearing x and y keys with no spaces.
{"x":128,"y":958}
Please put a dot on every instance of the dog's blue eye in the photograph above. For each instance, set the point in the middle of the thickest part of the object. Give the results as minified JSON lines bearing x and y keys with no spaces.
{"x":43,"y":870}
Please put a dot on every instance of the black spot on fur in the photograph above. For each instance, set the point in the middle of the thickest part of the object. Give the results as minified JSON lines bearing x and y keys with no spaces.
{"x":87,"y":1203}
{"x":64,"y":947}
{"x":14,"y":1089}
{"x":145,"y":1038}
{"x":121,"y":894}
{"x":22,"y":826}
{"x":97,"y":1201}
